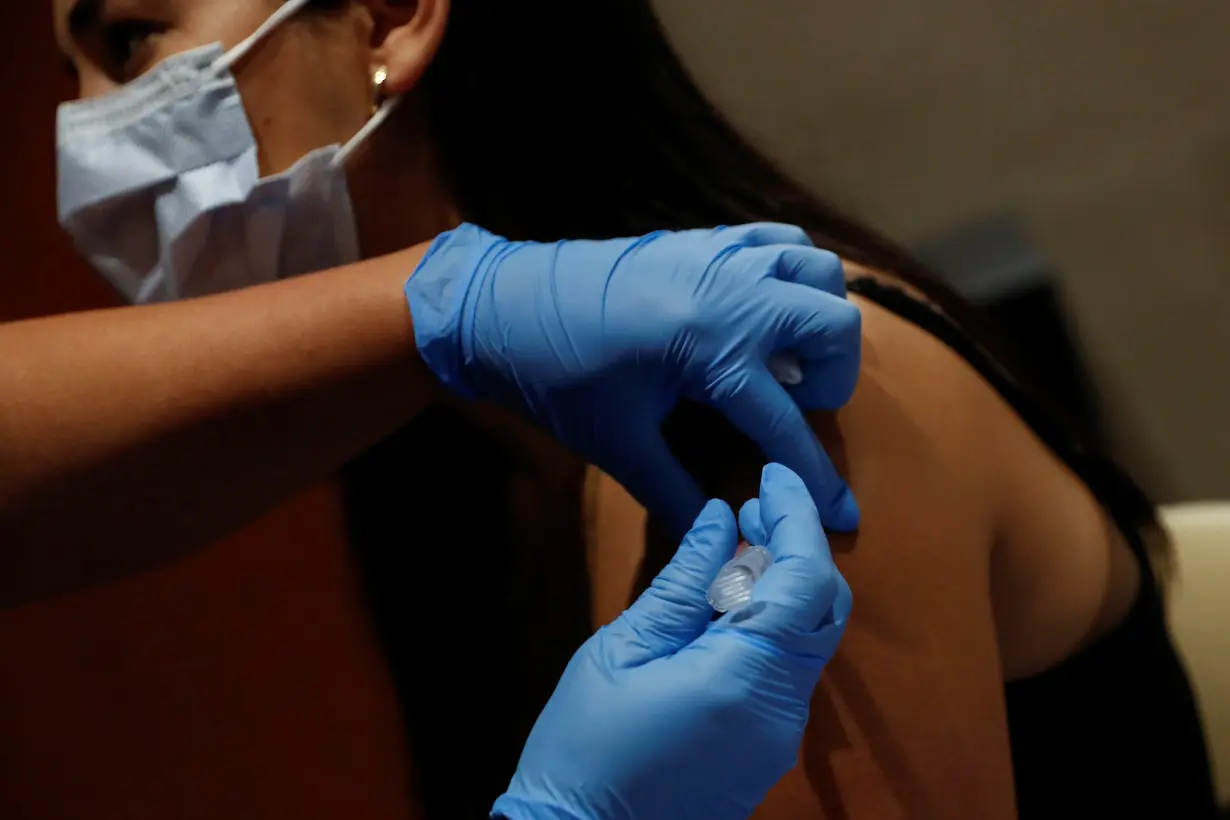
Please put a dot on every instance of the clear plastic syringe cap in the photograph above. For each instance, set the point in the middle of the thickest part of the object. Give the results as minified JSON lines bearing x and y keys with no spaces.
{"x":732,"y":587}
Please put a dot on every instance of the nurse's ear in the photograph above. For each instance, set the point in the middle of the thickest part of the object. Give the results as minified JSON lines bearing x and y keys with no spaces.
{"x":405,"y":38}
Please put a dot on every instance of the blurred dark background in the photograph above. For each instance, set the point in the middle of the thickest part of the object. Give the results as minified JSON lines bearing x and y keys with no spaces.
{"x":1099,"y":134}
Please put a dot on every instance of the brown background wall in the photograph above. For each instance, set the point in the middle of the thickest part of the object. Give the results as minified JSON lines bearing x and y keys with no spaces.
{"x":240,"y":683}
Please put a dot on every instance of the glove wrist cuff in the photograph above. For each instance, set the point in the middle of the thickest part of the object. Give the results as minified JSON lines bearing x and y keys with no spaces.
{"x":438,"y":293}
{"x":517,"y":808}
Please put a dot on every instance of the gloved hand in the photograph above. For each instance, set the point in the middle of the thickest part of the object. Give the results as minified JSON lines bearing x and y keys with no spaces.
{"x":598,"y":340}
{"x":665,"y":715}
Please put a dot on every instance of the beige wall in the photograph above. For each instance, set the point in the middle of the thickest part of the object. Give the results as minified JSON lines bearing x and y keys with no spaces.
{"x":1105,"y":126}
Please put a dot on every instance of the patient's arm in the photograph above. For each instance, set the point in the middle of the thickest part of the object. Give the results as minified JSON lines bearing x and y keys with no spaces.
{"x":909,"y":718}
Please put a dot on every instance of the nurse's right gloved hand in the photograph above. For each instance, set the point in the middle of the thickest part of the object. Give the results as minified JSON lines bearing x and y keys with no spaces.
{"x":597,"y":341}
{"x":664,"y":715}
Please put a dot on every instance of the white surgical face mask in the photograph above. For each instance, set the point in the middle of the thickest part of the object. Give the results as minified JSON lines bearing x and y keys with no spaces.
{"x":160,"y":189}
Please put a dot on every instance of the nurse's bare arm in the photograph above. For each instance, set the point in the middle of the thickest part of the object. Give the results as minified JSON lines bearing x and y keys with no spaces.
{"x":132,"y":436}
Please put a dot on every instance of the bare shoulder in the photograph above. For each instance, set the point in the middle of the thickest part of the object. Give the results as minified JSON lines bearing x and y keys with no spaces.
{"x":980,"y":558}
{"x":964,"y":512}
{"x":909,"y":718}
{"x":924,"y":427}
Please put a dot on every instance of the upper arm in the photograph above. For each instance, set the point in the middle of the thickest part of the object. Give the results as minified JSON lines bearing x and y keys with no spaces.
{"x":908,"y":720}
{"x":909,"y":717}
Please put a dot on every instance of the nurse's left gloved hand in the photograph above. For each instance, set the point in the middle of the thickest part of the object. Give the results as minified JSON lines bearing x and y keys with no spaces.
{"x":597,"y":341}
{"x":664,"y":715}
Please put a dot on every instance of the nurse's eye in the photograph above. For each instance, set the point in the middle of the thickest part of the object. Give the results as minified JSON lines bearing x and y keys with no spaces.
{"x":128,"y":44}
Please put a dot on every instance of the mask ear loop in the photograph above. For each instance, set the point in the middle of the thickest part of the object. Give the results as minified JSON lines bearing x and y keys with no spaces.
{"x":287,"y":10}
{"x":382,"y":106}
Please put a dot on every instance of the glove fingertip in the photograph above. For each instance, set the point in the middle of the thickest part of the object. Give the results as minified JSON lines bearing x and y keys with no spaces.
{"x":779,"y":476}
{"x":816,"y":268}
{"x":714,"y":511}
{"x":715,"y":523}
{"x":843,"y":514}
{"x":750,"y":524}
{"x":843,"y":603}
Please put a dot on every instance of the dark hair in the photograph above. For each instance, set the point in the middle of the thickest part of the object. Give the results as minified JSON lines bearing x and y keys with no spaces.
{"x":570,"y":118}
{"x":559,"y":118}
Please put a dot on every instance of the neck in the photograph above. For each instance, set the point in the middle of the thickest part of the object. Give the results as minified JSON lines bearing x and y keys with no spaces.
{"x":399,"y":193}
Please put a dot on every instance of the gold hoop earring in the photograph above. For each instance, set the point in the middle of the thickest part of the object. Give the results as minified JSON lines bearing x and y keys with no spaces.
{"x":379,"y":77}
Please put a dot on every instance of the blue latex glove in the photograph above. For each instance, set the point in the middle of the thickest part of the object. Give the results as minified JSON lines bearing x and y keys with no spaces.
{"x":665,"y":715}
{"x":598,"y":340}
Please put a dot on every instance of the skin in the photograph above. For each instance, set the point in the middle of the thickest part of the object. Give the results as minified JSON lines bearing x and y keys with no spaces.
{"x":308,"y":84}
{"x":965,"y":573}
{"x":246,"y":397}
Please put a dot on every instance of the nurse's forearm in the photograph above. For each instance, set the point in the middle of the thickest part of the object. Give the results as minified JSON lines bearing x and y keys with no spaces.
{"x":132,"y":436}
